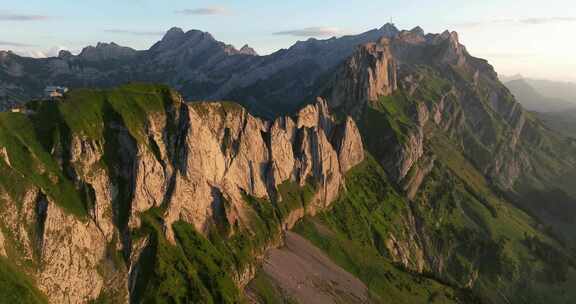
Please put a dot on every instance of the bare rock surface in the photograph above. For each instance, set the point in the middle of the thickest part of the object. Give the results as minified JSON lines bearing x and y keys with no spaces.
{"x":216,"y":156}
{"x":309,"y":276}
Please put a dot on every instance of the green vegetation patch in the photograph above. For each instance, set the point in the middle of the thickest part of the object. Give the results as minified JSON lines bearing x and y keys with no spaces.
{"x":386,"y":282}
{"x":33,"y":143}
{"x":193,"y":271}
{"x":29,"y":164}
{"x":266,"y":291}
{"x":16,"y":287}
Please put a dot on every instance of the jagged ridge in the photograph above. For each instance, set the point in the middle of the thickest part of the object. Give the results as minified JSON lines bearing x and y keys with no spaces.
{"x":140,"y":149}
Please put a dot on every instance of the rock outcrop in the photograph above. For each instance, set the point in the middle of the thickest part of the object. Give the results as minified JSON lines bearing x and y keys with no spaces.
{"x":104,"y":52}
{"x":369,"y":74}
{"x":415,"y":79}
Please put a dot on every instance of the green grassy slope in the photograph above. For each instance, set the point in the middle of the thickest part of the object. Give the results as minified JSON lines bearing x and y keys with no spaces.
{"x":29,"y":141}
{"x":17,"y":288}
{"x":471,"y":233}
{"x":468,"y":229}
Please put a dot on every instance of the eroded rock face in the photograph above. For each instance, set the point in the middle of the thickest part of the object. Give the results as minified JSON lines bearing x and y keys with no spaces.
{"x":198,"y":158}
{"x":370,"y":73}
{"x":468,"y":103}
{"x":230,"y":150}
{"x":71,"y":251}
{"x":350,"y":151}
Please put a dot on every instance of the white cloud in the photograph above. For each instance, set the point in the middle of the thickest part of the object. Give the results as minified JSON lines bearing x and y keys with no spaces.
{"x":51,"y":52}
{"x":530,"y":21}
{"x":312,"y":32}
{"x":135,"y":32}
{"x":15,"y":44}
{"x":22,"y":17}
{"x":547,"y":20}
{"x":212,"y":10}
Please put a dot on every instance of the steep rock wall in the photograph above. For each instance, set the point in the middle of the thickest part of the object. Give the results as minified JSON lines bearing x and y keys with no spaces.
{"x":191,"y":161}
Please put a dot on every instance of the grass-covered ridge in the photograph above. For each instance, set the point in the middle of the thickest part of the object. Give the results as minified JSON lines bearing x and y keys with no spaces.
{"x":192,"y":271}
{"x":27,"y":163}
{"x":460,"y":222}
{"x":354,"y":231}
{"x":32,"y":143}
{"x":386,"y":281}
{"x":87,"y":111}
{"x":204,"y":269}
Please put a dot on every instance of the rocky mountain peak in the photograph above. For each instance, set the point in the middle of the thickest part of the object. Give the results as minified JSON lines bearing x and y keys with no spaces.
{"x":247,"y":50}
{"x":389,"y":30}
{"x":414,"y":36}
{"x":369,"y":73}
{"x":173,"y":33}
{"x":106,"y":51}
{"x":176,"y":40}
{"x":64,"y":54}
{"x":418,"y":31}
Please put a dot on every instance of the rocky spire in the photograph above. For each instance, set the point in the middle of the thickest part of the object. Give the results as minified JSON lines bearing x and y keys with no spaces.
{"x":247,"y":50}
{"x":389,"y":30}
{"x":418,"y":30}
{"x":371,"y":72}
{"x":173,"y":33}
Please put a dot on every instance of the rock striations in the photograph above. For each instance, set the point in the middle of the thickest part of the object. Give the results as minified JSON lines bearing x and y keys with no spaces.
{"x":417,"y":78}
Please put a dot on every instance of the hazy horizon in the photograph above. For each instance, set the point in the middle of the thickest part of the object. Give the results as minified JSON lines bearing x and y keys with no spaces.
{"x":538,"y":47}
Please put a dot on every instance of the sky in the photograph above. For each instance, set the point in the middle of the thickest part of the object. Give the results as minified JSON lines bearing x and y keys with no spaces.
{"x":533,"y":38}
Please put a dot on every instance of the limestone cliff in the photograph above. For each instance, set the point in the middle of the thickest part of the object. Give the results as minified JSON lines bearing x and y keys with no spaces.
{"x":195,"y":162}
{"x":432,"y":115}
{"x":398,"y":87}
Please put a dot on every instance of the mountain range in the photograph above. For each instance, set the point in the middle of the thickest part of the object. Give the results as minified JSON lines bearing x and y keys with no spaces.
{"x":387,"y":167}
{"x":552,"y":102}
{"x":194,"y":63}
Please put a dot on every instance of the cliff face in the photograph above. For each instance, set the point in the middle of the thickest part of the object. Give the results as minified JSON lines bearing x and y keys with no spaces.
{"x":195,"y":162}
{"x":448,"y":133}
{"x":369,"y":73}
{"x":414,"y":80}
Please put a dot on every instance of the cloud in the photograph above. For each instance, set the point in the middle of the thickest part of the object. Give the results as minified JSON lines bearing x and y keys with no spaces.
{"x":21,"y":17}
{"x":133,"y":32}
{"x":507,"y":55}
{"x":54,"y":51}
{"x":529,"y":21}
{"x":213,"y":10}
{"x":15,"y":44}
{"x":469,"y":24}
{"x":547,"y":20}
{"x":50,"y":52}
{"x":312,"y":32}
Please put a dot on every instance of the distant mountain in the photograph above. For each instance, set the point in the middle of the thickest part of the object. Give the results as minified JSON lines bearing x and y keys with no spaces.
{"x":193,"y":62}
{"x":563,"y":122}
{"x":553,"y":102}
{"x":537,"y":100}
{"x":506,"y":78}
{"x":554,"y":89}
